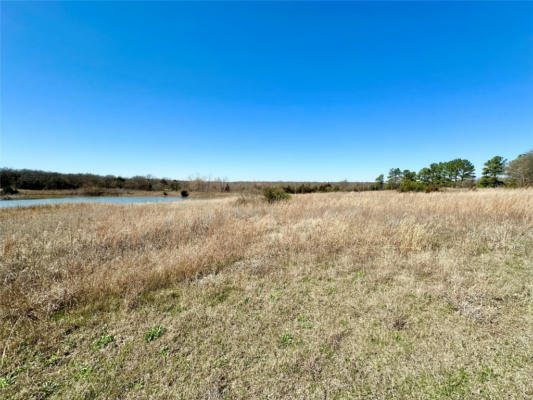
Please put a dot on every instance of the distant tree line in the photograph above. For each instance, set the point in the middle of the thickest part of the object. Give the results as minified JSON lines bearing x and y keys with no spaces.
{"x":343,"y":186}
{"x":13,"y":179}
{"x":43,"y":180}
{"x":461,"y":173}
{"x":309,"y":188}
{"x":455,"y":173}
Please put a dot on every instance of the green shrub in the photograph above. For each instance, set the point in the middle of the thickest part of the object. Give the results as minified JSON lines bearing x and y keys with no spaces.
{"x":273,"y":194}
{"x":411,"y":186}
{"x":304,"y":188}
{"x":288,"y":189}
{"x":325,"y":187}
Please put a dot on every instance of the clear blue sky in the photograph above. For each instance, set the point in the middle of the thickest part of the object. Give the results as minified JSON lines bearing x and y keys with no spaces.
{"x":263,"y":91}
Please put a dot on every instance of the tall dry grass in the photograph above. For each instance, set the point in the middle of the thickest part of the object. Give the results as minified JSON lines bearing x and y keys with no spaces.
{"x":338,"y":295}
{"x":57,"y":256}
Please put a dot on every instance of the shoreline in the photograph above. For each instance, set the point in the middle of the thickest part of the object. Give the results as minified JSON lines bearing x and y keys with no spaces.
{"x":25,"y":194}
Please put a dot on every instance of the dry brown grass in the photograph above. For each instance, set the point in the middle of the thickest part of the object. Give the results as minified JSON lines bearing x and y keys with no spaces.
{"x":338,"y":295}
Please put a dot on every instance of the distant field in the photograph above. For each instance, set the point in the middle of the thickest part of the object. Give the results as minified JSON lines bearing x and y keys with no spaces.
{"x":370,"y":295}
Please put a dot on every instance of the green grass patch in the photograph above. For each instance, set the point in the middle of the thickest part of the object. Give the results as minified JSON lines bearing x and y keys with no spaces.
{"x":286,"y":339}
{"x":153,"y":333}
{"x":102,"y":342}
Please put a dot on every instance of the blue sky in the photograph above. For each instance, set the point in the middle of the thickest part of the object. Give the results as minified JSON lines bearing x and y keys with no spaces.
{"x":263,"y":90}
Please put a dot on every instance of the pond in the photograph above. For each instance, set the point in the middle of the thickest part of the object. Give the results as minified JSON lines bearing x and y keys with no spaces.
{"x":80,"y":199}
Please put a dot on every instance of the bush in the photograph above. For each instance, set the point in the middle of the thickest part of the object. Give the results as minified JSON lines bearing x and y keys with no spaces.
{"x":273,"y":194}
{"x":432,"y":188}
{"x":184,"y":193}
{"x":410,"y":186}
{"x":9,"y":190}
{"x":288,"y":189}
{"x":325,"y":187}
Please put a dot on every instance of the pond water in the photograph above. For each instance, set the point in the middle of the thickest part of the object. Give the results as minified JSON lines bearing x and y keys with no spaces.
{"x":69,"y":200}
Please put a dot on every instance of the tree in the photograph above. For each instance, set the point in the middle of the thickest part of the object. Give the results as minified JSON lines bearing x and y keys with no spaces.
{"x":394,"y":178}
{"x":520,"y":170}
{"x":494,"y":169}
{"x":466,"y":170}
{"x":408,"y":176}
{"x":451,"y":171}
{"x":424,"y":175}
{"x":380,"y":181}
{"x":457,"y":170}
{"x":436,"y":174}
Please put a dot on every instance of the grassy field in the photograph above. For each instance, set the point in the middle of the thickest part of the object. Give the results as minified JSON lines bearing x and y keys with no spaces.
{"x":372,"y":295}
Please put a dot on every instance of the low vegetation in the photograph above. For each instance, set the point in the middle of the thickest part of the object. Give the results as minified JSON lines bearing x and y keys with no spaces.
{"x":370,"y":295}
{"x":273,"y":194}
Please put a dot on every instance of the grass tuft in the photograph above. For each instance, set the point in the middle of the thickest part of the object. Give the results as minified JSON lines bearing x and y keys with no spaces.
{"x":153,"y":334}
{"x":102,"y":342}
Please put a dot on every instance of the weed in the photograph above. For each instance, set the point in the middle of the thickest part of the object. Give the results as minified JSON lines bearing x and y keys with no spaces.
{"x":164,"y":350}
{"x":53,"y":359}
{"x":275,"y":297}
{"x":286,"y":339}
{"x":456,"y":383}
{"x":486,"y":373}
{"x":153,"y":333}
{"x":58,"y":315}
{"x":138,"y":385}
{"x":6,"y":381}
{"x":304,"y":321}
{"x":102,"y":342}
{"x":84,"y":372}
{"x":48,"y":388}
